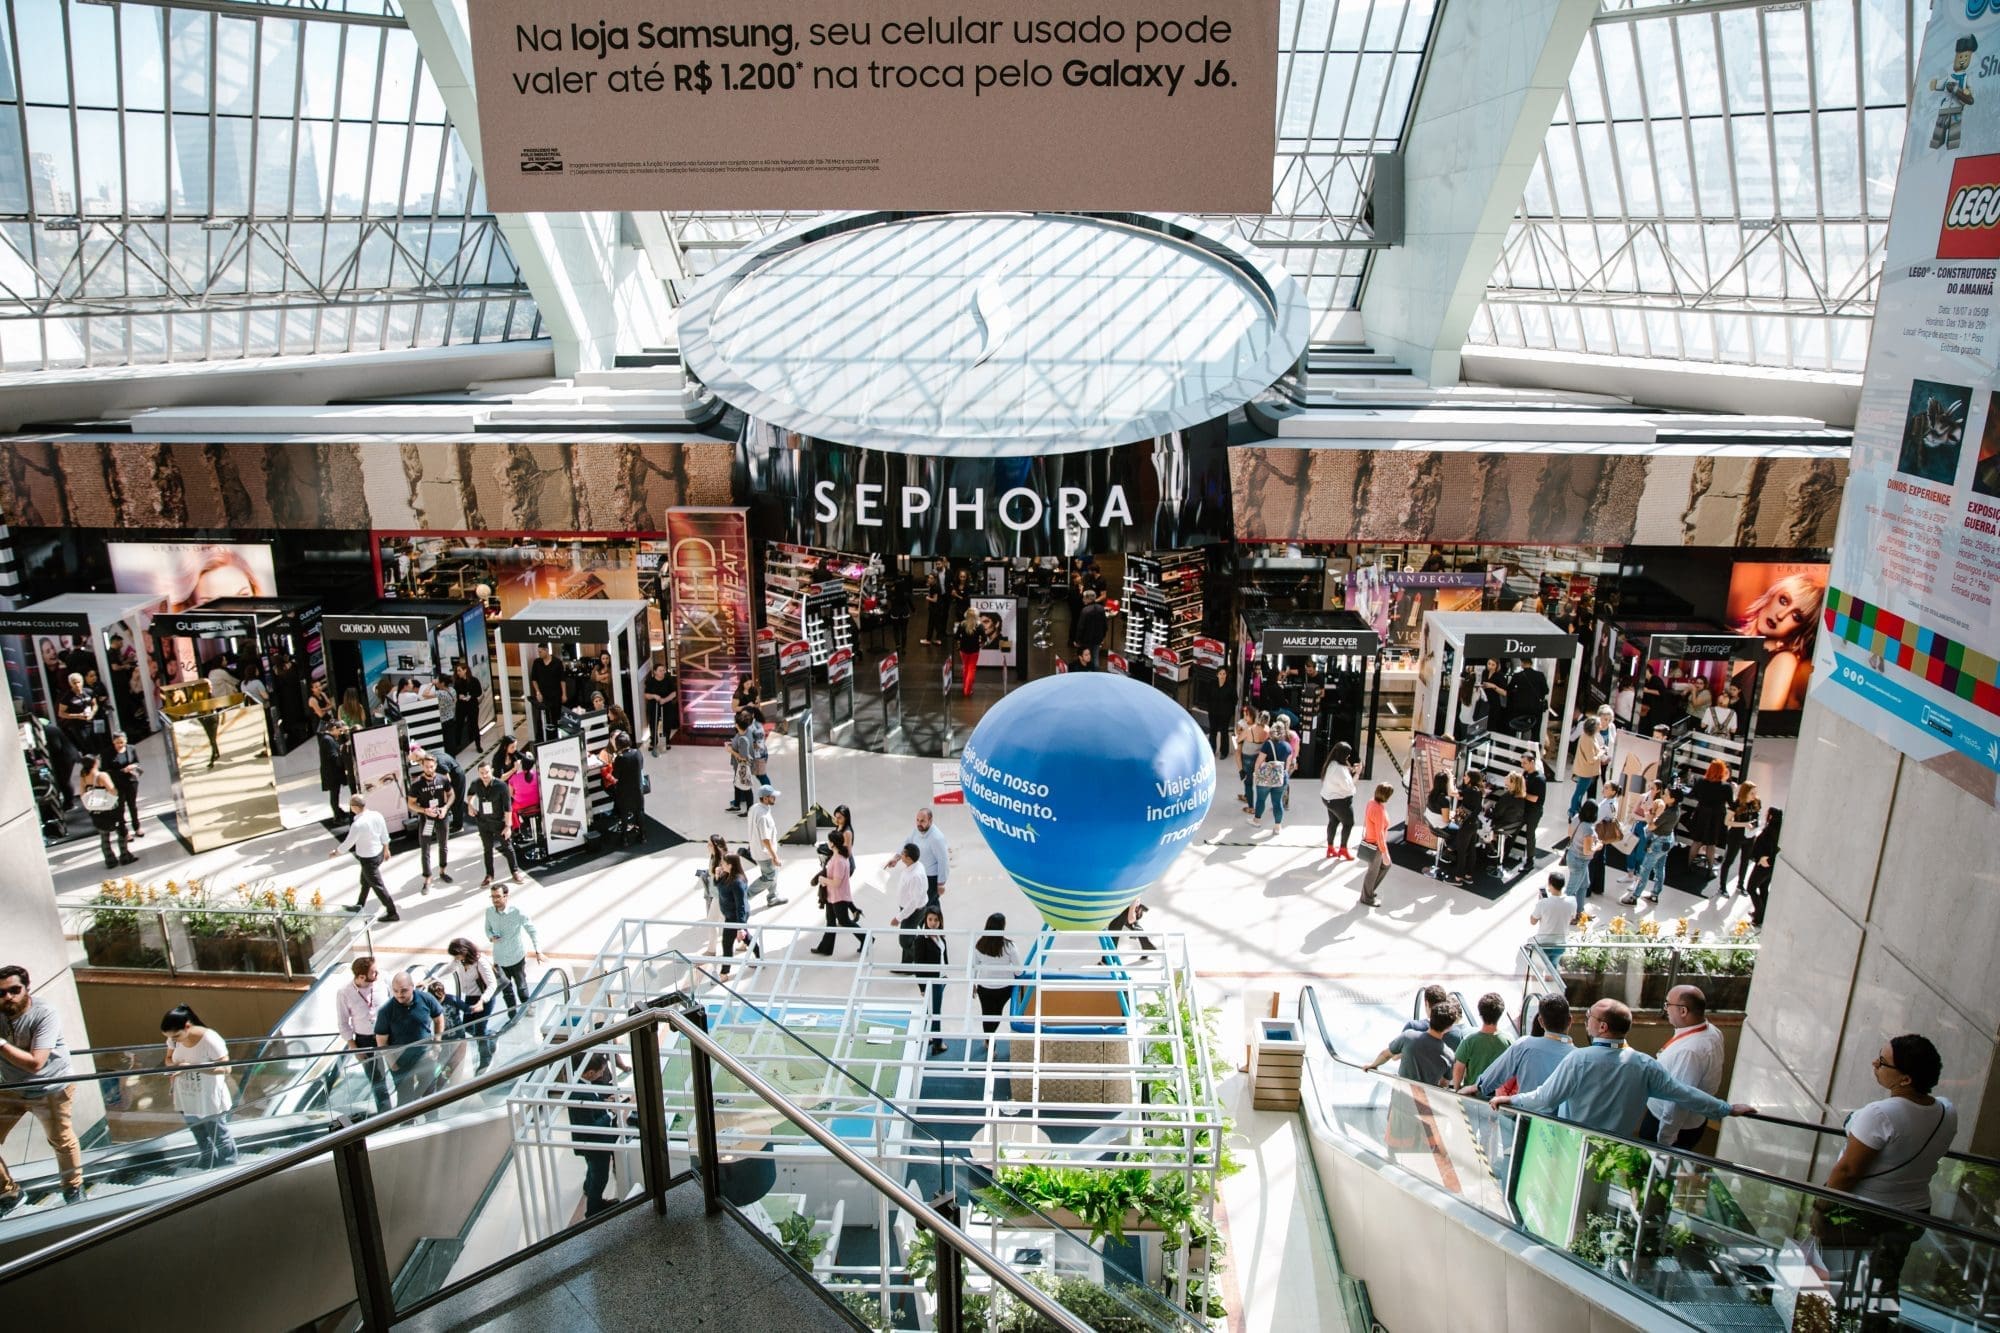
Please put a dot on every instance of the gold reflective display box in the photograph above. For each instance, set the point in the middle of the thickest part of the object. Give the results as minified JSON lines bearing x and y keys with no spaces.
{"x":225,"y":789}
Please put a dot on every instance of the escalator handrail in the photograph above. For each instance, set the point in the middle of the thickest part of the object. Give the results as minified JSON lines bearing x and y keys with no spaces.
{"x":1922,"y":1221}
{"x":227,"y":1041}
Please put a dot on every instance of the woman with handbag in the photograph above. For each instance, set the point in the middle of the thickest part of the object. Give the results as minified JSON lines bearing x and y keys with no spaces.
{"x":1251,"y":729}
{"x":1375,"y":842}
{"x":836,"y":894}
{"x":1583,"y":848}
{"x":928,"y":957}
{"x":732,"y":893}
{"x":1336,"y":793}
{"x":1739,"y":828}
{"x":100,"y":801}
{"x":1273,"y":774}
{"x":1893,"y":1148}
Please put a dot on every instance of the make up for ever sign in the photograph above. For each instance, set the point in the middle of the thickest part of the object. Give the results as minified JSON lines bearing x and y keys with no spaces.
{"x":762,"y":104}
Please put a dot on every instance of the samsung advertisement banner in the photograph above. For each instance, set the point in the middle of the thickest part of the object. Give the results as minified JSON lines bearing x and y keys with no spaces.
{"x":1160,"y":494}
{"x":734,"y":104}
{"x":1911,"y":648}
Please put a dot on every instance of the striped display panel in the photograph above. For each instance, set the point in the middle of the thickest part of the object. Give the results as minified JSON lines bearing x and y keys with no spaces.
{"x":422,"y":726}
{"x":1917,"y":649}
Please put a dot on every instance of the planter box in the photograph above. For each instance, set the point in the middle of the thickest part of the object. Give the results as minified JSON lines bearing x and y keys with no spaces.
{"x":1583,"y":988}
{"x":1068,"y":1221}
{"x":121,"y":947}
{"x":1730,"y":994}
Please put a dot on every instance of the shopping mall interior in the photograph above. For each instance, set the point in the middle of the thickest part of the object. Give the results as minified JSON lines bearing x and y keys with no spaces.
{"x":785,"y":734}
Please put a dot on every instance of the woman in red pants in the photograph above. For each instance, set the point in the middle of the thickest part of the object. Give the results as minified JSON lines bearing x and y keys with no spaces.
{"x":970,"y":641}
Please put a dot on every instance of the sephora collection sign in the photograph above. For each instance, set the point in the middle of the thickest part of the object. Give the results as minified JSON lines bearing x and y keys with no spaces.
{"x":1161,"y":494}
{"x":732,"y":104}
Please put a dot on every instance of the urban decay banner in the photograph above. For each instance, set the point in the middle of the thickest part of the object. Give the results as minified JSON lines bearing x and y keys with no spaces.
{"x":730,"y":104}
{"x":706,"y":582}
{"x":1913,"y":643}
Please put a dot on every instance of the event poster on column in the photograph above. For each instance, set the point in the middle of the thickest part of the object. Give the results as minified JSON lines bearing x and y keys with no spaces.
{"x":1912,"y":639}
{"x":709,"y":619}
{"x":378,"y":773}
{"x":732,"y":104}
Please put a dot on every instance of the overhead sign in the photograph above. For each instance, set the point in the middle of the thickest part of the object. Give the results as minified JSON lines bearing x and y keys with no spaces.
{"x":554,"y":631}
{"x":735,"y":104}
{"x":1527,"y":644}
{"x":1912,"y":643}
{"x":1704,"y":647}
{"x":43,"y":622}
{"x":1321,"y":642}
{"x":195,"y":625}
{"x":399,"y":628}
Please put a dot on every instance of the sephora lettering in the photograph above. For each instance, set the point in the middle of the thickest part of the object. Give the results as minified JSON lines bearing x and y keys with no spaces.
{"x":1019,"y":509}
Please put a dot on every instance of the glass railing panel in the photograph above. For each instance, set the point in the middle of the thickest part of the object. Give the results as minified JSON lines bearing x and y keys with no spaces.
{"x":176,"y":929}
{"x":1725,"y":1248}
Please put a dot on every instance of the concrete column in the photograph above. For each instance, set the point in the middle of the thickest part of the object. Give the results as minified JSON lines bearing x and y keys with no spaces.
{"x":1496,"y":73}
{"x":1885,"y":903}
{"x":597,"y":295}
{"x":32,"y":935}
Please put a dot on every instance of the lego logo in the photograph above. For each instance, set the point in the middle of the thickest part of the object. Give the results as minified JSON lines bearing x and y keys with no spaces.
{"x":1971,"y":226}
{"x":1974,"y":206}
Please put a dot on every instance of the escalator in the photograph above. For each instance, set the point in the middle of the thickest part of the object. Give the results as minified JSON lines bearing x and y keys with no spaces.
{"x":286,"y":1089}
{"x":1595,"y":1226}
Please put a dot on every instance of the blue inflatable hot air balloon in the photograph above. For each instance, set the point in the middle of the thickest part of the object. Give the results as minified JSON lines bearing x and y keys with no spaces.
{"x":1086,"y":786}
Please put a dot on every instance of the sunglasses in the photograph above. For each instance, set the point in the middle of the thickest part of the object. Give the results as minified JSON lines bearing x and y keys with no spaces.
{"x":13,"y":990}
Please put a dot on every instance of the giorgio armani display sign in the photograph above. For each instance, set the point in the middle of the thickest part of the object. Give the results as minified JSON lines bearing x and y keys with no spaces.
{"x":1164,"y":493}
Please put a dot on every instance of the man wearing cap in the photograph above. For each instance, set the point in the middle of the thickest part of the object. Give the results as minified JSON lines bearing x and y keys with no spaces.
{"x":764,"y":840}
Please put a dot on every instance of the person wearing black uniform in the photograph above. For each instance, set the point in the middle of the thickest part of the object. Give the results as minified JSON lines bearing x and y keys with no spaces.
{"x":546,"y":680}
{"x":937,"y":603}
{"x":468,"y":689}
{"x":1220,"y":704}
{"x":1527,"y":700}
{"x":431,"y":802}
{"x":900,"y":609}
{"x":628,"y":790}
{"x":1091,"y":626}
{"x":661,"y":697}
{"x":333,"y":765}
{"x":123,"y":765}
{"x":492,"y":803}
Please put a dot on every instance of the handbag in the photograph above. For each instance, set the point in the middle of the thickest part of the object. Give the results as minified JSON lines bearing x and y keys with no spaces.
{"x":741,"y":774}
{"x":99,"y":800}
{"x":1368,"y":852}
{"x":1269,"y":773}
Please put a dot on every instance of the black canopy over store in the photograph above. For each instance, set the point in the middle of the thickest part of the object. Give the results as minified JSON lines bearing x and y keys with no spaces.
{"x":275,"y":640}
{"x":1324,"y":668}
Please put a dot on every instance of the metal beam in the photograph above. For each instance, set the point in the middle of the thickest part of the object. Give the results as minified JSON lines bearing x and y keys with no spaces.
{"x":266,"y":9}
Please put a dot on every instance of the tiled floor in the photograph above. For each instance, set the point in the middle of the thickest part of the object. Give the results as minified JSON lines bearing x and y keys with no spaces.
{"x":1262,"y":909}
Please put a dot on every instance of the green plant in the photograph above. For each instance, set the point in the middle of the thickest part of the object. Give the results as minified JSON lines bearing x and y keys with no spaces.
{"x":867,"y":1307}
{"x":795,"y":1235}
{"x":1601,"y":1237}
{"x":920,"y":1264}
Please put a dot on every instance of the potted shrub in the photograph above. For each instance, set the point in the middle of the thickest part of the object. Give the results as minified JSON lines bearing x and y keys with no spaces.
{"x":116,"y":935}
{"x":1722,"y":968}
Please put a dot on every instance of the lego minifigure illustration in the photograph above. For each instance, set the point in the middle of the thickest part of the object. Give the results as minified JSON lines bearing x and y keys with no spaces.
{"x":1957,"y":91}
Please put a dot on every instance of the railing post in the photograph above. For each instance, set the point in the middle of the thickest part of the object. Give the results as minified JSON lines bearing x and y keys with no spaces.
{"x":372,"y":1286}
{"x":650,"y":1093}
{"x":704,"y":1115}
{"x":950,"y":1315}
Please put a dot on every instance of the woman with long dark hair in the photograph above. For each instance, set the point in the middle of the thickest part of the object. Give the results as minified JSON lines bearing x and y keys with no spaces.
{"x":732,"y":895}
{"x":475,"y":984}
{"x":928,"y":958}
{"x":1708,"y":814}
{"x":1739,"y":829}
{"x":994,"y":964}
{"x":1763,"y":856}
{"x":100,"y":800}
{"x":1336,"y":793}
{"x":836,"y":893}
{"x":843,"y":819}
{"x":202,"y":1095}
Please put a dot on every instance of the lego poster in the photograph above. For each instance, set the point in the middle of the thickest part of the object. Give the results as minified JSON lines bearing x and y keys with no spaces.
{"x":1910,"y":637}
{"x":735,"y":104}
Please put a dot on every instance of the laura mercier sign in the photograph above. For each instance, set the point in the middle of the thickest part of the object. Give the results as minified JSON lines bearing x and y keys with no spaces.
{"x":645,"y":104}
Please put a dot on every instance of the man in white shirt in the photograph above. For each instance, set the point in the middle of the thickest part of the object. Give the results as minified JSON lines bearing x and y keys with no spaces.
{"x":368,"y":839}
{"x":1694,"y":1056}
{"x":1552,"y":914}
{"x":913,"y":891}
{"x":764,"y":841}
{"x":932,"y":851}
{"x":354,"y":1010}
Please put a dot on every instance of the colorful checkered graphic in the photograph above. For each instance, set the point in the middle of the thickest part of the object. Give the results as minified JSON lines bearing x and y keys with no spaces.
{"x":1945,"y":663}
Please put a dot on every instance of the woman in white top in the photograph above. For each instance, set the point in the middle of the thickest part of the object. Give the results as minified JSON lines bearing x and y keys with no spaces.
{"x":201,"y":1095}
{"x":1336,"y":793}
{"x":1251,"y":729}
{"x":1893,"y":1148}
{"x":474,"y":984}
{"x":993,"y":967}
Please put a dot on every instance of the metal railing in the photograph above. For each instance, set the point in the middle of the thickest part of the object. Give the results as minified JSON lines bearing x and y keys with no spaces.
{"x":347,"y":1148}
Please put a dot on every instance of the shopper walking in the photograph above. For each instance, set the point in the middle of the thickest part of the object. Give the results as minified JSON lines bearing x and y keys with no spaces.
{"x":970,"y":641}
{"x":492,"y":803}
{"x":474,"y":986}
{"x":1707,"y":814}
{"x":1336,"y":793}
{"x":732,"y":896}
{"x":1273,"y":775}
{"x":1659,"y":846}
{"x":932,"y":850}
{"x":196,"y":1054}
{"x":913,"y":893}
{"x":465,"y":685}
{"x":928,"y":957}
{"x":100,"y":800}
{"x":123,"y":766}
{"x":937,"y":603}
{"x":354,"y":1009}
{"x":430,"y":800}
{"x":447,"y":706}
{"x":836,"y":894}
{"x":546,"y":680}
{"x":1739,"y":829}
{"x":1375,"y":843}
{"x":33,"y":1057}
{"x":368,"y":839}
{"x":593,"y":1129}
{"x":1251,"y":729}
{"x":994,"y":965}
{"x":512,"y":936}
{"x":413,"y":1022}
{"x":1219,"y":708}
{"x":1588,"y":765}
{"x":1091,"y":627}
{"x":742,"y":750}
{"x":331,"y":743}
{"x":1582,"y":847}
{"x":1763,"y":857}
